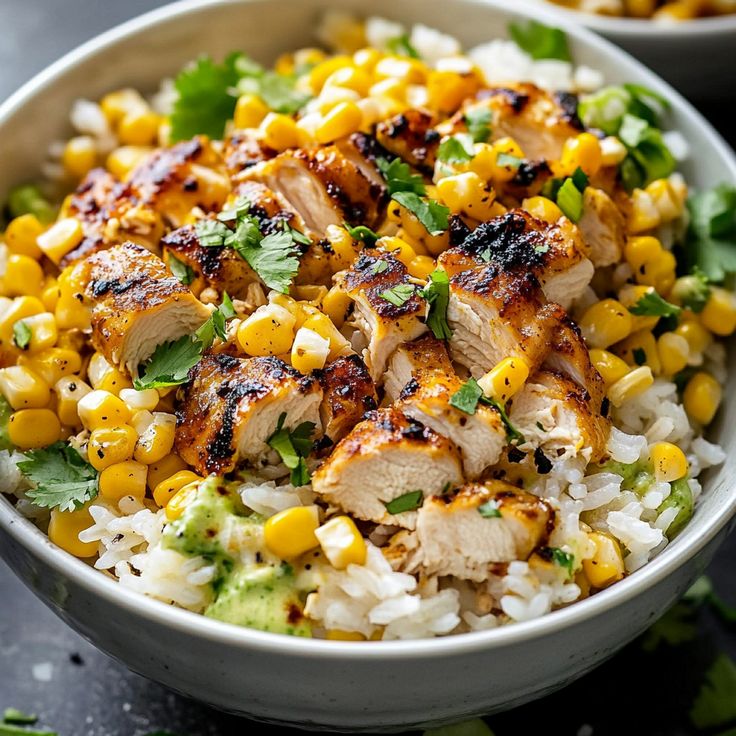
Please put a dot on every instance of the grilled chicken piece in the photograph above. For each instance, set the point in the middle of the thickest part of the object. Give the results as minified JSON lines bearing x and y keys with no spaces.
{"x":412,"y":137}
{"x":364,"y":150}
{"x":516,"y":241}
{"x":558,"y":416}
{"x":136,"y":304}
{"x":383,"y":325}
{"x":456,"y":538}
{"x":242,"y":150}
{"x":602,"y":226}
{"x":348,"y":393}
{"x":269,"y":208}
{"x":174,"y":180}
{"x":324,"y":186}
{"x":421,"y":379}
{"x":231,"y":407}
{"x":386,"y":456}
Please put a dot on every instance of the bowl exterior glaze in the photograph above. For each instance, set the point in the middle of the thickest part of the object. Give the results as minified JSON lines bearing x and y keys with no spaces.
{"x":317,"y":684}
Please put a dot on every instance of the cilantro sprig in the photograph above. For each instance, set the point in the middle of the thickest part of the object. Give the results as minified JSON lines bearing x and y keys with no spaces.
{"x":652,"y":304}
{"x":362,"y":233}
{"x":293,"y":446}
{"x":399,"y":295}
{"x":478,"y":122}
{"x":406,"y":502}
{"x":182,"y":271}
{"x":540,"y":41}
{"x":437,"y":294}
{"x":455,"y":150}
{"x":470,"y":394}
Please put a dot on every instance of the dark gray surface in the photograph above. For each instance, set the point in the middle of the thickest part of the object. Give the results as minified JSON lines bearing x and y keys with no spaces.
{"x":88,"y":694}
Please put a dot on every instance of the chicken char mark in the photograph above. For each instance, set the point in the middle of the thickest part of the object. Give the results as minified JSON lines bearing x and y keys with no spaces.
{"x":412,"y":137}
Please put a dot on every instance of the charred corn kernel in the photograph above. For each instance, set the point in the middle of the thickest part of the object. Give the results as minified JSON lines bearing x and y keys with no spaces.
{"x":65,"y":528}
{"x":63,"y":236}
{"x":21,"y":234}
{"x":70,"y":312}
{"x":421,"y":266}
{"x":23,"y":389}
{"x":336,"y":305}
{"x":467,"y":194}
{"x":629,"y":295}
{"x":115,"y":105}
{"x":309,"y":351}
{"x":342,"y":120}
{"x":401,"y":250}
{"x":157,"y":441}
{"x":290,"y":533}
{"x":410,"y":71}
{"x":30,"y":428}
{"x":50,"y":293}
{"x":446,"y":90}
{"x":69,"y":390}
{"x":341,"y":542}
{"x":674,"y":352}
{"x":127,"y":478}
{"x":99,"y":409}
{"x":168,"y":488}
{"x":644,"y":213}
{"x":719,"y":312}
{"x":110,"y":445}
{"x":505,"y":379}
{"x":319,"y":74}
{"x":136,"y":400}
{"x":19,"y":308}
{"x":52,"y":363}
{"x":606,"y":566}
{"x":43,"y":331}
{"x":125,"y":158}
{"x":605,"y":323}
{"x":631,"y":385}
{"x":505,"y":172}
{"x":582,"y":151}
{"x":698,"y":338}
{"x":702,"y":397}
{"x":180,"y":500}
{"x":341,"y":635}
{"x":106,"y":377}
{"x":640,"y":348}
{"x":325,"y":328}
{"x":669,"y":461}
{"x":279,"y":131}
{"x":268,"y":331}
{"x":79,"y":156}
{"x":163,"y":469}
{"x":350,"y":77}
{"x":542,"y":208}
{"x":23,"y":276}
{"x":610,"y":366}
{"x":249,"y":111}
{"x":345,"y":251}
{"x":139,"y":128}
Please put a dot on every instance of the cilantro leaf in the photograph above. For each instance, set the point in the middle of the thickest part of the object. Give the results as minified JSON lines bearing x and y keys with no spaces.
{"x":378,"y":267}
{"x":212,"y":233}
{"x":274,"y":259}
{"x":402,"y":46}
{"x":509,"y":161}
{"x":490,"y":509}
{"x":437,"y":293}
{"x":278,"y":91}
{"x":651,"y":304}
{"x":564,"y":559}
{"x":293,"y":447}
{"x":478,"y":123}
{"x":399,"y":177}
{"x":13,"y":715}
{"x":466,"y":398}
{"x":693,"y":290}
{"x":540,"y":41}
{"x":454,"y":151}
{"x":715,"y":704}
{"x":433,"y":215}
{"x":362,"y":233}
{"x":5,"y":411}
{"x":238,"y":209}
{"x":170,"y":363}
{"x":181,"y":270}
{"x":406,"y":502}
{"x":399,"y":295}
{"x":61,"y":476}
{"x":22,"y":334}
{"x":512,"y":434}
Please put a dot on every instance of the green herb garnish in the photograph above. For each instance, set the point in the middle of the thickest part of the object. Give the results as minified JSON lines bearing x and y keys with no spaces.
{"x":437,"y":293}
{"x":27,"y":199}
{"x":362,"y":233}
{"x":651,"y":304}
{"x":540,"y":41}
{"x":512,"y":434}
{"x":13,"y":715}
{"x":293,"y":446}
{"x":22,"y":334}
{"x":399,"y":295}
{"x":509,"y":161}
{"x":406,"y":502}
{"x":490,"y":509}
{"x":182,"y":271}
{"x":402,"y":46}
{"x":564,"y":559}
{"x":715,"y":704}
{"x":478,"y":122}
{"x":399,"y":177}
{"x":5,"y":413}
{"x":454,"y":151}
{"x":570,"y":200}
{"x":378,"y":267}
{"x":466,"y":398}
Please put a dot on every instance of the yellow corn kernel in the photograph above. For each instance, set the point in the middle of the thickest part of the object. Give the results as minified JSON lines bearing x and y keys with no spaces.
{"x":437,"y":244}
{"x":702,"y":397}
{"x":665,"y":200}
{"x":367,"y":58}
{"x":147,"y":399}
{"x":249,"y":111}
{"x":279,"y":131}
{"x":169,"y":487}
{"x":21,"y":234}
{"x":157,"y":441}
{"x":43,"y":331}
{"x":610,"y":366}
{"x":62,"y":237}
{"x":127,"y":478}
{"x":163,"y":469}
{"x":410,"y":71}
{"x":106,"y":377}
{"x":115,"y":105}
{"x":659,"y":273}
{"x":20,"y":308}
{"x":605,"y":323}
{"x":644,"y":213}
{"x":309,"y":351}
{"x":336,"y":305}
{"x":311,"y":293}
{"x":341,"y":542}
{"x":50,"y":293}
{"x":325,"y":328}
{"x":70,"y":311}
{"x":641,"y":250}
{"x":640,"y":348}
{"x":319,"y":74}
{"x":110,"y":445}
{"x":674,"y":352}
{"x":669,"y":461}
{"x":342,"y":120}
{"x":719,"y":312}
{"x":52,"y":363}
{"x":139,"y":128}
{"x":631,"y":385}
{"x":698,"y":338}
{"x":23,"y":275}
{"x":606,"y":566}
{"x":65,"y":528}
{"x":613,"y":152}
{"x":101,"y":409}
{"x":582,"y":151}
{"x":352,"y":78}
{"x":69,"y":390}
{"x":467,"y":194}
{"x":268,"y":331}
{"x":341,"y":635}
{"x":421,"y":266}
{"x":629,"y":295}
{"x":483,"y":162}
{"x":505,"y":172}
{"x":398,"y":247}
{"x":542,"y":208}
{"x":30,"y":428}
{"x":125,"y":158}
{"x":446,"y":90}
{"x":505,"y":379}
{"x":23,"y":389}
{"x":290,"y":533}
{"x":79,"y":156}
{"x":180,"y":500}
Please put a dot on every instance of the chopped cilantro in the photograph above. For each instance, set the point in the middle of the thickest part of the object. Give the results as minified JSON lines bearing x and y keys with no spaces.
{"x":507,"y":160}
{"x":378,"y":267}
{"x":437,"y":293}
{"x":399,"y":177}
{"x":693,"y":290}
{"x":181,"y":270}
{"x":651,"y":304}
{"x":478,"y":123}
{"x":61,"y":476}
{"x":466,"y":398}
{"x":406,"y":502}
{"x":564,"y":559}
{"x":27,"y":199}
{"x":212,"y":233}
{"x":362,"y":233}
{"x":433,"y":215}
{"x":512,"y":434}
{"x":278,"y":91}
{"x":22,"y":334}
{"x":402,"y":46}
{"x":715,"y":704}
{"x":237,"y":210}
{"x":540,"y":41}
{"x":399,"y":295}
{"x":453,"y":150}
{"x":293,"y":446}
{"x":490,"y":510}
{"x":13,"y":715}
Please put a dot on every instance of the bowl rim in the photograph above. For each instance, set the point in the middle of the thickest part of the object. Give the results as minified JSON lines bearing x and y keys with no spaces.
{"x":183,"y":621}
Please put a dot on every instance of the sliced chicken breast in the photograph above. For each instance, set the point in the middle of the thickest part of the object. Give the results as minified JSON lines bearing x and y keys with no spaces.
{"x":412,"y":137}
{"x":243,"y":149}
{"x":363,"y":151}
{"x":136,"y":304}
{"x":603,"y":227}
{"x":268,"y":207}
{"x":231,"y":407}
{"x":387,"y":456}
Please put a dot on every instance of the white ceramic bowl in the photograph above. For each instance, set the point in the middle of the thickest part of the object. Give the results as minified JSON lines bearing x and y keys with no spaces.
{"x":339,"y":685}
{"x":694,"y":56}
